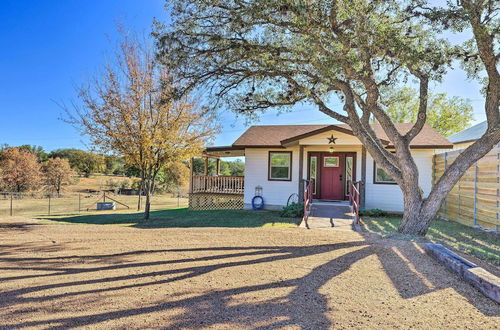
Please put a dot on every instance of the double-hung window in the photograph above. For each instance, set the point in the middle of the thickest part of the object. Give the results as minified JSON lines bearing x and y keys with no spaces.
{"x":381,"y":176}
{"x":280,"y":166}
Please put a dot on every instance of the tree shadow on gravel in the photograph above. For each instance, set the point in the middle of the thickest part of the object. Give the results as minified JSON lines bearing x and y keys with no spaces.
{"x":303,"y":306}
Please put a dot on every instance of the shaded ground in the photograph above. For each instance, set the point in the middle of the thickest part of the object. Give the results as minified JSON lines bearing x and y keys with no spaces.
{"x":93,"y":276}
{"x":478,"y":243}
{"x":185,"y":218}
{"x":326,"y":216}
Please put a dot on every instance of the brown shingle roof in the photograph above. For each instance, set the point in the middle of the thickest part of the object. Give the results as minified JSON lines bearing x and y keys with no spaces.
{"x":272,"y":135}
{"x":275,"y":135}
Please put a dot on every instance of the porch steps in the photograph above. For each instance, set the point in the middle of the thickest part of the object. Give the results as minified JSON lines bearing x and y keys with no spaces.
{"x":329,"y":215}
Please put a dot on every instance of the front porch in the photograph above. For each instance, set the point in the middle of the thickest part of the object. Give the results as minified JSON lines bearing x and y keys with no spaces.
{"x":216,"y":193}
{"x":211,"y":190}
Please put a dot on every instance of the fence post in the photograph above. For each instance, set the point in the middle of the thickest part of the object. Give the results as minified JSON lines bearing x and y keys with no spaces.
{"x":11,"y":204}
{"x":498,"y":190}
{"x":459,"y":199}
{"x":475,"y":194}
{"x":79,"y":202}
{"x":49,"y":204}
{"x":445,"y":165}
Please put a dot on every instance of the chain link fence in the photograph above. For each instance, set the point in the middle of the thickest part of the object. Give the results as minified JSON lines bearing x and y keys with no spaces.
{"x":39,"y":205}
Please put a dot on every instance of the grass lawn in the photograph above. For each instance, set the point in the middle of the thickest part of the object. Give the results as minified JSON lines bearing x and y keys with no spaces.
{"x":481,"y":244}
{"x":183,"y":218}
{"x":68,"y":205}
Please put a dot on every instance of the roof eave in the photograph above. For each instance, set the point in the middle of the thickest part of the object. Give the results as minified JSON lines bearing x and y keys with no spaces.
{"x":223,"y":151}
{"x":430,"y":146}
{"x":258,"y":146}
{"x":465,"y":141}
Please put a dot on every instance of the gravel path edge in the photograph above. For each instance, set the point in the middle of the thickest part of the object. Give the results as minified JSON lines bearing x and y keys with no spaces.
{"x":484,"y":281}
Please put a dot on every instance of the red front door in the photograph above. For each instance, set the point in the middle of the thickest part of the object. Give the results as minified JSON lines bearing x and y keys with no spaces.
{"x":331,"y":176}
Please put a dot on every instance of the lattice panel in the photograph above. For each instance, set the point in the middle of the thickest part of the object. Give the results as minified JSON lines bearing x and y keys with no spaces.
{"x":201,"y":201}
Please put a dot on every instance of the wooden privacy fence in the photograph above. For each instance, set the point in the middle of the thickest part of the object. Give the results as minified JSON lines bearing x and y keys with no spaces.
{"x":474,"y":200}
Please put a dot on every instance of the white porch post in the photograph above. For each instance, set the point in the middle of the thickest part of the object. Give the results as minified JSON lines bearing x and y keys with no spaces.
{"x":301,"y":172}
{"x":363,"y":177}
{"x":191,"y":174}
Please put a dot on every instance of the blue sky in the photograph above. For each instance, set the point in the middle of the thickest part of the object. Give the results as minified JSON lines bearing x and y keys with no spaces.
{"x":49,"y":46}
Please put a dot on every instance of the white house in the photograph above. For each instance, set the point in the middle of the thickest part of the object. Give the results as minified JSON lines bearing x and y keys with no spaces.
{"x":279,"y":158}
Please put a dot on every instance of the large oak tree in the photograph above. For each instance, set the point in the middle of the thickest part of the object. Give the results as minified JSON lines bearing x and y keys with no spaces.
{"x":250,"y":55}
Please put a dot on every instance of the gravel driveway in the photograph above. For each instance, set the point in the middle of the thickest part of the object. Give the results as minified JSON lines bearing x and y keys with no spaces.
{"x":89,"y":276}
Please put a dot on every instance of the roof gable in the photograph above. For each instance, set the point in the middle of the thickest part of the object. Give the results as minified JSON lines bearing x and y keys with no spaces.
{"x":328,"y":128}
{"x":272,"y":135}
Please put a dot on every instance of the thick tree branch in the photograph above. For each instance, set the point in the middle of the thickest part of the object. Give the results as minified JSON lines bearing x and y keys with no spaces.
{"x":422,"y":108}
{"x":485,"y":45}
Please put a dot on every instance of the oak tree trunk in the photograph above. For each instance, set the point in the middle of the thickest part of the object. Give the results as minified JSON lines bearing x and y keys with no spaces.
{"x":416,"y":218}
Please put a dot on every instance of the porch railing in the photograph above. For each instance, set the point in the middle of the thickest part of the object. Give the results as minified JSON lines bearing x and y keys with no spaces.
{"x":354,"y":199}
{"x":218,"y":184}
{"x":307,"y":199}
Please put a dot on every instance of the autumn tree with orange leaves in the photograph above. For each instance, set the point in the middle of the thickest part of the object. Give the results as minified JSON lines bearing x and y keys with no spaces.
{"x":133,"y":110}
{"x":19,"y":170}
{"x":57,"y":173}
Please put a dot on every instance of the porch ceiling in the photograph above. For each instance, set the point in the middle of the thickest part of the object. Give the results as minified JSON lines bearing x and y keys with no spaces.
{"x":225,"y":151}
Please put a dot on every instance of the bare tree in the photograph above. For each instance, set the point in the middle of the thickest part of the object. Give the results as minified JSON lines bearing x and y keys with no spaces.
{"x":133,"y":110}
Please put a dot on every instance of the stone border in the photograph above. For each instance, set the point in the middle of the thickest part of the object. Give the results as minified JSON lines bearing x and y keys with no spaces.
{"x":478,"y":277}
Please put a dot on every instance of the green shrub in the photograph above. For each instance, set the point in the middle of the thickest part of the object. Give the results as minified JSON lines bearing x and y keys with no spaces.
{"x":112,"y":184}
{"x":125,"y":184}
{"x":294,"y":210}
{"x":373,"y":213}
{"x":136,"y":184}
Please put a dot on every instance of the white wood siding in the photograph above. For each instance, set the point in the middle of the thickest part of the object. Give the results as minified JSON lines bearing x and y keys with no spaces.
{"x":275,"y":193}
{"x":389,"y":197}
{"x":322,"y":139}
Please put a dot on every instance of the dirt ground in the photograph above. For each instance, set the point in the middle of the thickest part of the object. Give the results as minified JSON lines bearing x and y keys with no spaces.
{"x":90,"y":276}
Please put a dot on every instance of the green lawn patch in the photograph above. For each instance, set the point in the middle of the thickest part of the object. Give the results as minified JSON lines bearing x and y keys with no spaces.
{"x":476,"y":242}
{"x":183,"y":217}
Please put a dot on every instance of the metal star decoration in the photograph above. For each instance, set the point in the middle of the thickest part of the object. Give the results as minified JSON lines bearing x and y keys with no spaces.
{"x":331,"y":139}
